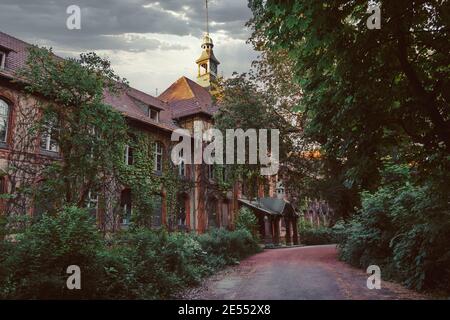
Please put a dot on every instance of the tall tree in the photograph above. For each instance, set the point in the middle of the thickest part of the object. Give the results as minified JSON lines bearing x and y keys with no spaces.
{"x":368,"y":94}
{"x":69,"y":113}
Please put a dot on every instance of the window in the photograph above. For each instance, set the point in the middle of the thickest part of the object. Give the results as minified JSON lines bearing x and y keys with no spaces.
{"x":128,"y":157}
{"x":2,"y":60}
{"x":153,"y":114}
{"x":48,"y":143}
{"x":127,"y":209}
{"x":157,"y":211}
{"x":158,"y":156}
{"x":2,"y":185}
{"x":92,"y":203}
{"x":182,"y":165}
{"x":225,"y":173}
{"x":4,"y":119}
{"x":203,"y":69}
{"x":127,"y":212}
{"x":211,"y":172}
{"x":182,"y":211}
{"x":212,"y":213}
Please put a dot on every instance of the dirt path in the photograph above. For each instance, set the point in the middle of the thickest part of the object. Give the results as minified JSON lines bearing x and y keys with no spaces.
{"x":299,"y":273}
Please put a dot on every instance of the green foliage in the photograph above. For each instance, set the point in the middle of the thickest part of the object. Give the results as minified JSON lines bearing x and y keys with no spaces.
{"x":137,"y":264}
{"x":89,"y":134}
{"x":228,"y":247}
{"x":371,"y":96}
{"x":317,"y":236}
{"x":146,"y":264}
{"x":140,"y":178}
{"x":366,"y":94}
{"x":247,"y":220}
{"x":245,"y":105}
{"x":403,"y":228}
{"x":145,"y":184}
{"x":311,"y":235}
{"x":35,"y":264}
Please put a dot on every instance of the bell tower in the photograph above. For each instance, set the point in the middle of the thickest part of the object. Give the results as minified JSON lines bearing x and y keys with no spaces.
{"x":207,"y":63}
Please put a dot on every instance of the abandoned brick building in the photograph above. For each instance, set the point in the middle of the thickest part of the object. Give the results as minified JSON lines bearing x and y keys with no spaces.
{"x":182,"y":105}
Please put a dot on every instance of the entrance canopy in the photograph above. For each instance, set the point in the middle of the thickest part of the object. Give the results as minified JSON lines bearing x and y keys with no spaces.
{"x":270,"y":212}
{"x":271,"y":206}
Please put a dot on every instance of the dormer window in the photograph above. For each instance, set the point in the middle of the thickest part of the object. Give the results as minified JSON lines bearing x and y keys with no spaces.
{"x":153,"y":114}
{"x":2,"y":60}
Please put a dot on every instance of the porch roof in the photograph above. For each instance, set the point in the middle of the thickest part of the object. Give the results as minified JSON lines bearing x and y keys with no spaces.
{"x":271,"y":206}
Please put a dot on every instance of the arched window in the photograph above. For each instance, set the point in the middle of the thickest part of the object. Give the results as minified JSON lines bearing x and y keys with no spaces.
{"x":4,"y":120}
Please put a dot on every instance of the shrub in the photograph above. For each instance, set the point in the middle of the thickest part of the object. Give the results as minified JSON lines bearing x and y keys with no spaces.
{"x":36,"y":265}
{"x":317,"y":236}
{"x":404,"y":229}
{"x":137,"y":264}
{"x":227,"y":247}
{"x":246,"y":220}
{"x":311,"y":235}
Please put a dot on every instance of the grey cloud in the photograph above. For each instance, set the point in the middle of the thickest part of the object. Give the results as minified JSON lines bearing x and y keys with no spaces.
{"x":111,"y":17}
{"x":131,"y":43}
{"x":105,"y":24}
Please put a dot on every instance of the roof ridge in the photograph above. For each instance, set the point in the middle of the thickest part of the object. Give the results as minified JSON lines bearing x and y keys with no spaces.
{"x":147,"y":94}
{"x":17,"y":39}
{"x":187,"y":80}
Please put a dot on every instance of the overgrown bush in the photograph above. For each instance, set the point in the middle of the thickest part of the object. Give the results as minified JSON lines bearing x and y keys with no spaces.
{"x":246,"y":220}
{"x":403,"y":228}
{"x":227,"y":247}
{"x":35,"y":264}
{"x":312,"y":235}
{"x":317,"y":236}
{"x":137,"y":264}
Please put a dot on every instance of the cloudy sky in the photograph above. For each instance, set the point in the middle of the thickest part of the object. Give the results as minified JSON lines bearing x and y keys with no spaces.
{"x":151,"y":43}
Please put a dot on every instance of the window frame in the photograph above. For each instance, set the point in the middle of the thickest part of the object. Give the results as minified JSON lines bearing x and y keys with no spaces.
{"x":92,"y":202}
{"x":47,"y":136}
{"x":157,"y":213}
{"x":2,"y":185}
{"x":154,"y":111}
{"x":128,"y":156}
{"x":211,"y":173}
{"x":158,"y":153}
{"x":127,"y":214}
{"x":7,"y":120}
{"x":182,"y":165}
{"x":2,"y":59}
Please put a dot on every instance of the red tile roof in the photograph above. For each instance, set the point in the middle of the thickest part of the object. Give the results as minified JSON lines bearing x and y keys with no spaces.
{"x":18,"y":51}
{"x":183,"y":98}
{"x":187,"y":98}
